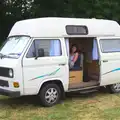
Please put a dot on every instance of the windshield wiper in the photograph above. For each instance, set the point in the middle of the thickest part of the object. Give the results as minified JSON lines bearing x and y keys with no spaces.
{"x":14,"y":54}
{"x":3,"y":56}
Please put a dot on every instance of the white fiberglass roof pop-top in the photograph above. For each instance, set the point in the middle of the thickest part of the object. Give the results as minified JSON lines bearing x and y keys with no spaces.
{"x":56,"y":27}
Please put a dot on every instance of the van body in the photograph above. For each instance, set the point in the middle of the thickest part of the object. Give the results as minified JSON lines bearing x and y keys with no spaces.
{"x":34,"y":60}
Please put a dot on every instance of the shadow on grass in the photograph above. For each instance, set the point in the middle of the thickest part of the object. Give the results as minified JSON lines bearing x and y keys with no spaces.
{"x":34,"y":100}
{"x":26,"y":100}
{"x":102,"y":90}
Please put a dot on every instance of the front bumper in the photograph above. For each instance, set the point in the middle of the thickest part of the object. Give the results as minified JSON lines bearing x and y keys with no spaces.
{"x":9,"y":93}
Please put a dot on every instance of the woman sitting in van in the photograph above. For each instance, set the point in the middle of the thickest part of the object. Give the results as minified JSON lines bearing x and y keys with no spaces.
{"x":74,"y":58}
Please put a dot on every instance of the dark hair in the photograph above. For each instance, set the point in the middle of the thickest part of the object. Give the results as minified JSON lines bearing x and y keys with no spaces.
{"x":74,"y":45}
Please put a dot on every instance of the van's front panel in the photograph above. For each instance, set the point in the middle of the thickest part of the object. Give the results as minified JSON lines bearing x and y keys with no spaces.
{"x":109,"y":49}
{"x":11,"y":82}
{"x":11,"y":77}
{"x":44,"y":61}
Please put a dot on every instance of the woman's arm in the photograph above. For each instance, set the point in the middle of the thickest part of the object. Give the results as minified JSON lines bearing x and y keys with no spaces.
{"x":75,"y":57}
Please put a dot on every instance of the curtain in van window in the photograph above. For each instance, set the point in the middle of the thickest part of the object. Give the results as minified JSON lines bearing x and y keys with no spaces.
{"x":67,"y":46}
{"x":55,"y":48}
{"x":95,"y":51}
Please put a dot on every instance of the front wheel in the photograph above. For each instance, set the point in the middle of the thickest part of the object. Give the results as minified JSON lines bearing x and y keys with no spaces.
{"x":50,"y":95}
{"x":115,"y":88}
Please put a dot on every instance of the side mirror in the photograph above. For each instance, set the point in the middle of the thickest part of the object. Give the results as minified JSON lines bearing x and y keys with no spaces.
{"x":40,"y":53}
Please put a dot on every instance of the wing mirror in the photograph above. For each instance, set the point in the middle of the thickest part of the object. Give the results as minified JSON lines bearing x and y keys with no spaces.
{"x":40,"y":53}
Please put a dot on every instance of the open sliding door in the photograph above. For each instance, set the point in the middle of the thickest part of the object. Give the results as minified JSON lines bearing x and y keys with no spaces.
{"x":109,"y":51}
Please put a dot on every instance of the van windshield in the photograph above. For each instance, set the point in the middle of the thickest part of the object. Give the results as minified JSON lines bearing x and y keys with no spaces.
{"x":14,"y":46}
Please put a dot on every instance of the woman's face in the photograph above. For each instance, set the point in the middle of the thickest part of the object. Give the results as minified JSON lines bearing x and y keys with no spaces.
{"x":74,"y":49}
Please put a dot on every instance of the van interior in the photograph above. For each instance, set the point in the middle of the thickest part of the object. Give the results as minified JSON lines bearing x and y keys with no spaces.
{"x":88,"y":74}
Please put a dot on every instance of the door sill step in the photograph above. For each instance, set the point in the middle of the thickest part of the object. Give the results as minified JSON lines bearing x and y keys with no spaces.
{"x":88,"y":91}
{"x":84,"y":89}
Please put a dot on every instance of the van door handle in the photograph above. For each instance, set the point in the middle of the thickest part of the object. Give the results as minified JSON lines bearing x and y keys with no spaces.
{"x":61,"y":64}
{"x":105,"y":60}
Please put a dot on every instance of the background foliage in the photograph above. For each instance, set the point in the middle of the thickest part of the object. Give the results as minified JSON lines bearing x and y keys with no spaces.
{"x":14,"y":10}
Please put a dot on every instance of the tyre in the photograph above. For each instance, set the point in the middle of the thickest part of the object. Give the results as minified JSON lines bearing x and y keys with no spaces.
{"x":115,"y":88}
{"x":50,"y":95}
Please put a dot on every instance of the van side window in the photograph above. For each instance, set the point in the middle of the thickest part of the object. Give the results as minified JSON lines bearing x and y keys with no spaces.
{"x":110,"y":45}
{"x":45,"y":48}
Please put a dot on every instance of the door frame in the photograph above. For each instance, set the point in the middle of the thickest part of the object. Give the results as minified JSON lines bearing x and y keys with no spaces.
{"x":64,"y":54}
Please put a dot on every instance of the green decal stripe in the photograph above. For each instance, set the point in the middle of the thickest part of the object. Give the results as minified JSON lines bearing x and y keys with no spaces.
{"x":46,"y":75}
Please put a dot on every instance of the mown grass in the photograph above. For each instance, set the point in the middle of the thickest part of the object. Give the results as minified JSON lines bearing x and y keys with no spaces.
{"x":96,"y":106}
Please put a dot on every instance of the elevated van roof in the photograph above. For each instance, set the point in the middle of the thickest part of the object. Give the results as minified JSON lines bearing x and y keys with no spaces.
{"x":56,"y":27}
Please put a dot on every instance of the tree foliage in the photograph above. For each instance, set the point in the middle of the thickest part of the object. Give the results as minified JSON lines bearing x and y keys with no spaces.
{"x":14,"y":10}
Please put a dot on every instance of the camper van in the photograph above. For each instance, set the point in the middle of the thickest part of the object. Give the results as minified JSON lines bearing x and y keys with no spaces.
{"x":51,"y":56}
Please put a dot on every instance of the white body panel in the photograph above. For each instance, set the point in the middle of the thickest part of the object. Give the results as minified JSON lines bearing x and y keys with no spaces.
{"x":109,"y":65}
{"x":38,"y":71}
{"x":15,"y":64}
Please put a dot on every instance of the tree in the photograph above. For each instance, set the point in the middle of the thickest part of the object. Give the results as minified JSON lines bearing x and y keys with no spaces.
{"x":14,"y":10}
{"x":108,"y":9}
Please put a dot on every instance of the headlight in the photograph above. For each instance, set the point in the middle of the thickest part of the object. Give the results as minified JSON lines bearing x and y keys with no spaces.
{"x":10,"y":72}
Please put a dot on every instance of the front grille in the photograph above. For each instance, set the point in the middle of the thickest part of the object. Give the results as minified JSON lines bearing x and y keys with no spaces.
{"x":4,"y":72}
{"x":4,"y":83}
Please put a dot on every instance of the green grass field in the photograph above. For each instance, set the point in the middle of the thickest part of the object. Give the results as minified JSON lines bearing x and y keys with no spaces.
{"x":95,"y":106}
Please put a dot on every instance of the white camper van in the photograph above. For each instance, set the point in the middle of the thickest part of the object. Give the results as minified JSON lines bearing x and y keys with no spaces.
{"x":35,"y":59}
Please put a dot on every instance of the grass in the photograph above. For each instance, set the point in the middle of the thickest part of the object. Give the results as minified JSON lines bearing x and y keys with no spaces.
{"x":95,"y":106}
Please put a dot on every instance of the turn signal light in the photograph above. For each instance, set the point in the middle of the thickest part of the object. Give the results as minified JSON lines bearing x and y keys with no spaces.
{"x":16,"y":84}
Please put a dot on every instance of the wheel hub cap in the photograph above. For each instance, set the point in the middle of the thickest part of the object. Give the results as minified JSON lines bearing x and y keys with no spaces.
{"x":117,"y":86}
{"x":51,"y":95}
